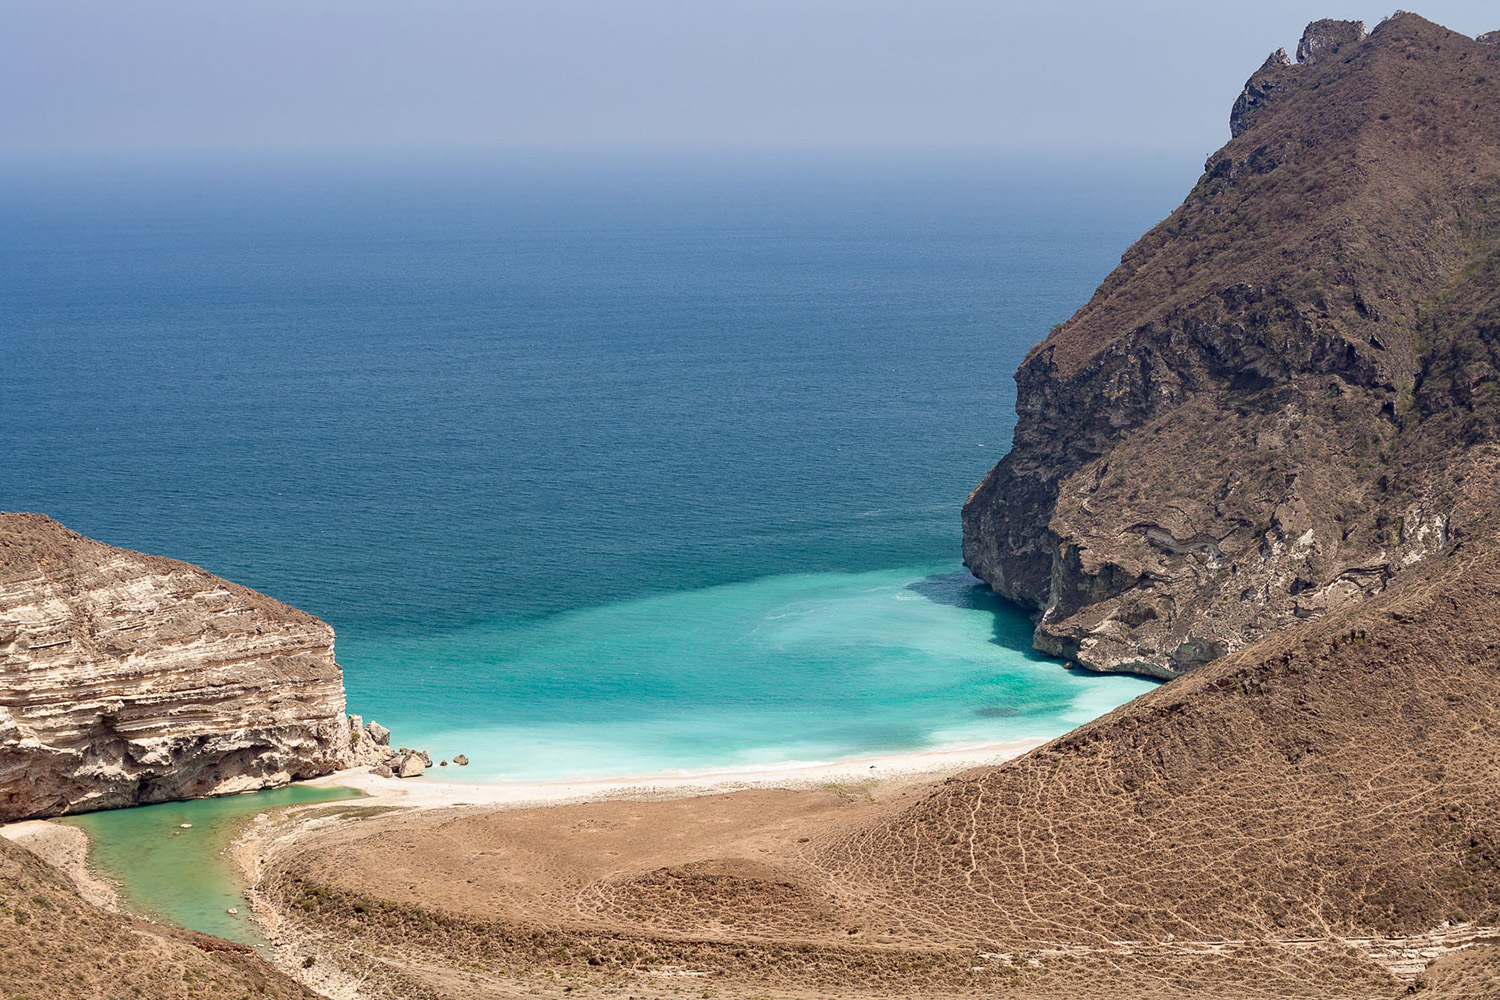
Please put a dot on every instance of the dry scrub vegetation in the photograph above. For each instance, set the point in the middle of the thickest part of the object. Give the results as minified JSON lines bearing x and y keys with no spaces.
{"x":55,"y":946}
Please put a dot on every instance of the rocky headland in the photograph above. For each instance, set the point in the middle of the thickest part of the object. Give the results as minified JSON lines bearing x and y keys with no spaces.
{"x":127,"y":678}
{"x":1280,"y":401}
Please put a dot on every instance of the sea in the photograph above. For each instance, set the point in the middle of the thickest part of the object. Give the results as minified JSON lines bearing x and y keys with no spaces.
{"x":598,"y":464}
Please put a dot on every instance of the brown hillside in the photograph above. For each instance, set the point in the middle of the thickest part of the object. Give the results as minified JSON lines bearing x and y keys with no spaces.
{"x":1342,"y":779}
{"x":54,"y":946}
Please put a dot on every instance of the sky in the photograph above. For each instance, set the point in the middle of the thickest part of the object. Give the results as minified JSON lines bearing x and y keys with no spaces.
{"x":90,"y":78}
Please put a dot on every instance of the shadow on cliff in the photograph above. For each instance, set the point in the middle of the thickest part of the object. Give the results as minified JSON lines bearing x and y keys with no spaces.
{"x":1011,"y":626}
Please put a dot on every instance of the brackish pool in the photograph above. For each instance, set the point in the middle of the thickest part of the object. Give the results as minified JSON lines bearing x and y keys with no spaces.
{"x":183,"y":876}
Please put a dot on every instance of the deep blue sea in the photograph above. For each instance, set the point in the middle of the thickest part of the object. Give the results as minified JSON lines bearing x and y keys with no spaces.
{"x":597,"y":465}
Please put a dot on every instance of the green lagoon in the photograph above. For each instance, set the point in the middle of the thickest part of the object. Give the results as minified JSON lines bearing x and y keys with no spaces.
{"x":182,"y":876}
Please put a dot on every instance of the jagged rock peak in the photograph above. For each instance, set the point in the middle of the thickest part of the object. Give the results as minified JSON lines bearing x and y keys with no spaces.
{"x":1327,"y":37}
{"x":1262,"y":86}
{"x":1319,"y":40}
{"x":1489,"y":38}
{"x":128,"y":678}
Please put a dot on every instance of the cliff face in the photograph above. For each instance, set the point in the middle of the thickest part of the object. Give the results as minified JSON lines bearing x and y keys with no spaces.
{"x":127,"y":678}
{"x":1257,"y":418}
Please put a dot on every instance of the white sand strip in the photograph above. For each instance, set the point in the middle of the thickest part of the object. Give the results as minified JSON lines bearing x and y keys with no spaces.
{"x":434,"y":790}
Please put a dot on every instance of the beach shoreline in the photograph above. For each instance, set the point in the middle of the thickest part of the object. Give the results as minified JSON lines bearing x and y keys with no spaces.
{"x":433,"y":792}
{"x":284,"y":829}
{"x":334,"y":972}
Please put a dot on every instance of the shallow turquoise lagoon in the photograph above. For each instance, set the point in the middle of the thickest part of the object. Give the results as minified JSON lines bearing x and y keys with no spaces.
{"x":802,"y":667}
{"x":182,"y":876}
{"x":805,"y":667}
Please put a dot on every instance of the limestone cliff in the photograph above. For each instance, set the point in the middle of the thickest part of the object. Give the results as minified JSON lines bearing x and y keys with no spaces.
{"x":127,"y":678}
{"x":1252,"y":421}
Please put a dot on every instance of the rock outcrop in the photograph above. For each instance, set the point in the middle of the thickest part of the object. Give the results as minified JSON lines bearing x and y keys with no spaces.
{"x":1262,"y":416}
{"x":1328,"y":37}
{"x":128,"y":678}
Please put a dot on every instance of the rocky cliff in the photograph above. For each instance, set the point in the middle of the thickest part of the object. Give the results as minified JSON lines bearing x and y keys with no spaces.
{"x":1266,"y":412}
{"x":127,"y":678}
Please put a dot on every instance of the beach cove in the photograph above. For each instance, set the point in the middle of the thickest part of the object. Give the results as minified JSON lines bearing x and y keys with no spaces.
{"x":628,"y":484}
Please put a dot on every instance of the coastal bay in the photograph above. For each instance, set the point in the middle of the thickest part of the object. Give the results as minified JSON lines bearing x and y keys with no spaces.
{"x":593,"y":470}
{"x":608,"y":563}
{"x":635,"y":486}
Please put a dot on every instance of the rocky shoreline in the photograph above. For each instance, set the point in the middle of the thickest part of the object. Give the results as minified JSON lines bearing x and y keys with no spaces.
{"x":128,"y":679}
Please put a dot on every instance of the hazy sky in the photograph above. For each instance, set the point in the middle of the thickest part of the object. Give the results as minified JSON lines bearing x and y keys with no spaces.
{"x":162,"y":76}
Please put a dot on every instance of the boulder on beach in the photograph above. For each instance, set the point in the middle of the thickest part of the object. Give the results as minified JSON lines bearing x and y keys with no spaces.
{"x":412,"y":766}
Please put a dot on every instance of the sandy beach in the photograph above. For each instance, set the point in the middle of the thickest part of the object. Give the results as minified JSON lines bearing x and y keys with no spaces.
{"x":766,"y":812}
{"x":435,"y":789}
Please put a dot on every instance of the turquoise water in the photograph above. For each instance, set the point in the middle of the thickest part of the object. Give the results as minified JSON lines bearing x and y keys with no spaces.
{"x":182,"y":876}
{"x":805,"y":667}
{"x":596,"y":466}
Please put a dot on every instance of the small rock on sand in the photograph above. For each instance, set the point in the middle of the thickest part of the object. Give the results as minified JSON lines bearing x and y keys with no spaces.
{"x":382,"y":771}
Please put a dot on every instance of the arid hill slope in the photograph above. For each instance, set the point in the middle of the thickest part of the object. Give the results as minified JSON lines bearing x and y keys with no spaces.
{"x":54,"y":946}
{"x":1339,"y":779}
{"x":1244,"y":428}
{"x":128,"y":678}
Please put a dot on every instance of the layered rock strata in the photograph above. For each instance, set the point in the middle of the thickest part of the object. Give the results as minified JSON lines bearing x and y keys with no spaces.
{"x":1257,"y":418}
{"x":128,"y":678}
